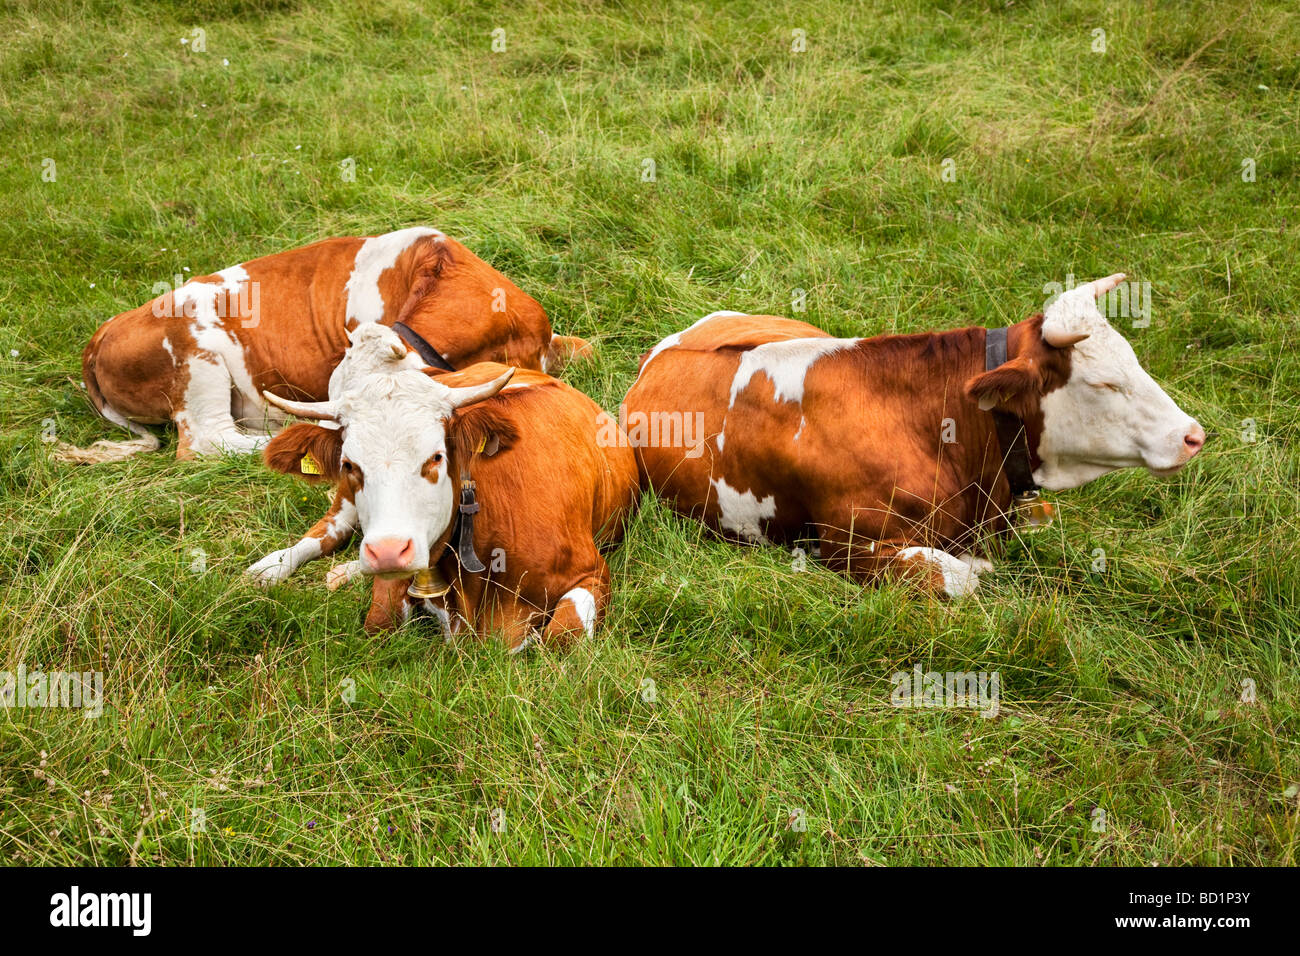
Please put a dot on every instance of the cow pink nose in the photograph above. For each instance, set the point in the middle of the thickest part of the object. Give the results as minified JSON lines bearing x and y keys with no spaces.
{"x":1194,"y":440}
{"x":390,"y":554}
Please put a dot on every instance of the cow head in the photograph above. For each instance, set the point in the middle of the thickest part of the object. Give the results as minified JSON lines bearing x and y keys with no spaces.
{"x":396,"y":432}
{"x":1085,"y":399}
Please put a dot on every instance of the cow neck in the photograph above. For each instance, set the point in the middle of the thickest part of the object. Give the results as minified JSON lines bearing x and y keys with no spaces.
{"x":1013,"y":440}
{"x":460,"y":540}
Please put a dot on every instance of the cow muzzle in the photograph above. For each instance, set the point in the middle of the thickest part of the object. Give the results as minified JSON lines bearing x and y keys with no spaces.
{"x":1193,"y":440}
{"x":388,"y":556}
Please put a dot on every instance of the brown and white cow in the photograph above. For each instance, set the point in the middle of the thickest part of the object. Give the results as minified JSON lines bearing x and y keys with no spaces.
{"x":885,"y":448}
{"x":202,"y":355}
{"x":551,"y":491}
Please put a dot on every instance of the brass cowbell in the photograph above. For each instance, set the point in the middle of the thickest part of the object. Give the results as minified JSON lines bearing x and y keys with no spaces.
{"x":428,"y":583}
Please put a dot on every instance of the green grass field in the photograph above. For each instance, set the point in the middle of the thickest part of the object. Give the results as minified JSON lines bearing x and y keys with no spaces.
{"x":1127,"y":732}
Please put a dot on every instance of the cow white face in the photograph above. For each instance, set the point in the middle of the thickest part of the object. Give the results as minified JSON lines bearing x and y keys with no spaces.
{"x":1110,"y":413}
{"x":392,"y":448}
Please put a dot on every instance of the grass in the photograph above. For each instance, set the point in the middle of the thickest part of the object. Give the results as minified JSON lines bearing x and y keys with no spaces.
{"x":729,"y":692}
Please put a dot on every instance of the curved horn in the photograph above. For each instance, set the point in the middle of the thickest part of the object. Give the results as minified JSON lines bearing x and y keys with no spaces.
{"x":320,"y":411}
{"x":469,"y":394}
{"x":1061,"y":338}
{"x":1100,"y":287}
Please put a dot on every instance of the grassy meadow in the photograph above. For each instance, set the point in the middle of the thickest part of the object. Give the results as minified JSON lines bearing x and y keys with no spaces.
{"x":735,"y":709}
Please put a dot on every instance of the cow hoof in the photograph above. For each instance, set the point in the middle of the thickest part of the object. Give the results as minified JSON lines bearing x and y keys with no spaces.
{"x":341,"y":574}
{"x":272,"y":569}
{"x":528,"y":641}
{"x":960,"y":579}
{"x":975,"y":563}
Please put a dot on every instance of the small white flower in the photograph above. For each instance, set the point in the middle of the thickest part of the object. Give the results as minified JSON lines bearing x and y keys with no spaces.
{"x":225,"y":62}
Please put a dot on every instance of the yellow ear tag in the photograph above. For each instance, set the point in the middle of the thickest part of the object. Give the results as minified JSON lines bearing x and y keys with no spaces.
{"x":482,"y":443}
{"x":309,"y":465}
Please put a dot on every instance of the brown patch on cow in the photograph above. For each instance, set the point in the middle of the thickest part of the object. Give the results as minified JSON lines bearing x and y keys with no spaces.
{"x":432,"y":468}
{"x":285,"y":452}
{"x":431,"y":258}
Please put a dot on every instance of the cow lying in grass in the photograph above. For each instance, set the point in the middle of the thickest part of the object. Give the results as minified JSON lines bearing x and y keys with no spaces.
{"x":551,"y":493}
{"x":201,"y":355}
{"x":887,"y":449}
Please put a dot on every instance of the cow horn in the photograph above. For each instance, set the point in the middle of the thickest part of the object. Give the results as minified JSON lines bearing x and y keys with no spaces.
{"x":319,"y":411}
{"x":1060,"y":338}
{"x":469,"y":394}
{"x":1100,"y":287}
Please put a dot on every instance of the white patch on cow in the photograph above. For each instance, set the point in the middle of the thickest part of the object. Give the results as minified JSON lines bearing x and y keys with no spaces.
{"x":1111,"y":414}
{"x":376,"y":255}
{"x":960,"y":579}
{"x":721,"y":439}
{"x":803,"y":420}
{"x":785,"y":363}
{"x":742,"y":512}
{"x":167,"y":347}
{"x":215,"y":366}
{"x":676,"y":338}
{"x":584,"y":603}
{"x":278,"y":565}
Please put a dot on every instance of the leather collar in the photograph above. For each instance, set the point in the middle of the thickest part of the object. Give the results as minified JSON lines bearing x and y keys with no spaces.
{"x":1012,"y":435}
{"x":422,"y":348}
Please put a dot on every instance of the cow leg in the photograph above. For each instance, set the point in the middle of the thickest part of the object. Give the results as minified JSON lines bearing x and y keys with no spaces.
{"x":206,"y":423}
{"x":324,"y":538}
{"x":390,"y":607}
{"x":580,"y":608}
{"x":866,"y":561}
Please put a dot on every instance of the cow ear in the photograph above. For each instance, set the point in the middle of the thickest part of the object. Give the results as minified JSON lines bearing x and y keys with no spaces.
{"x":484,"y":429}
{"x":307,"y":451}
{"x":1004,"y":385}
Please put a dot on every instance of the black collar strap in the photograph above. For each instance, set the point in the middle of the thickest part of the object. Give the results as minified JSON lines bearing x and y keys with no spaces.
{"x":1011,"y":430}
{"x":422,"y":348}
{"x":465,"y":525}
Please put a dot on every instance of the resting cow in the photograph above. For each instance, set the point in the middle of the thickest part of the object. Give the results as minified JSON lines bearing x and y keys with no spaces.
{"x":886,"y":450}
{"x":549,"y":491}
{"x":201,"y":355}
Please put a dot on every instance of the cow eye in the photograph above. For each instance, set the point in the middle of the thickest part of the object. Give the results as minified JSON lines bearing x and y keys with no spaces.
{"x":437,"y":458}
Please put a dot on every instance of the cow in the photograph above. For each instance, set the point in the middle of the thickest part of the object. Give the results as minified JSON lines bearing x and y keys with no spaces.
{"x":551,"y":491}
{"x":885,"y":452}
{"x":201,"y":355}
